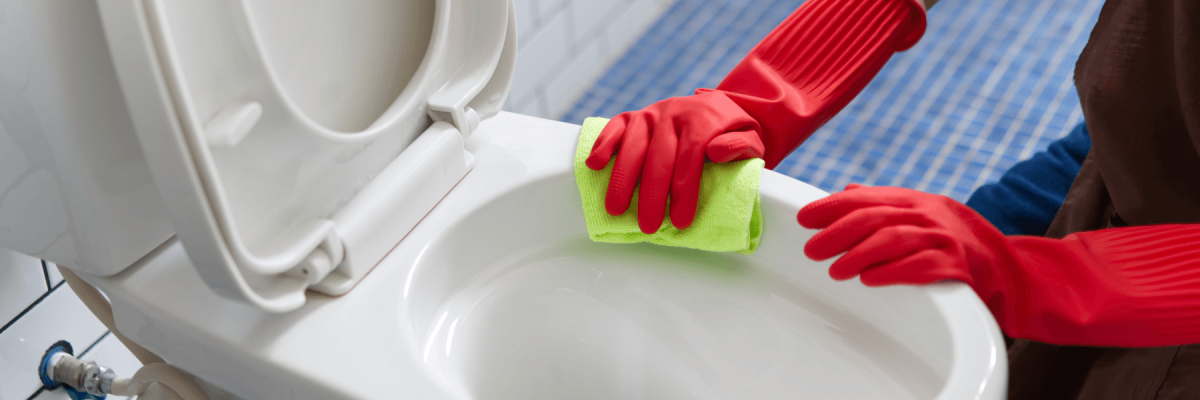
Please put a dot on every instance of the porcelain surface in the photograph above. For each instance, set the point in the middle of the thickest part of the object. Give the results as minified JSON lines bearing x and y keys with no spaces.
{"x":499,"y":294}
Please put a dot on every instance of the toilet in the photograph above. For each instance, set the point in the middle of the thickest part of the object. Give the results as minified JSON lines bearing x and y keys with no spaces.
{"x":322,"y":199}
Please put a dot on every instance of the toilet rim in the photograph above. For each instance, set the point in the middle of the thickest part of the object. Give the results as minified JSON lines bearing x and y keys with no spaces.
{"x":257,"y":187}
{"x":164,"y":306}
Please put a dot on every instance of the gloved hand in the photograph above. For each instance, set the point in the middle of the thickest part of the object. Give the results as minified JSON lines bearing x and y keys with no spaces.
{"x":895,"y":235}
{"x":791,"y":83}
{"x":1126,"y":287}
{"x":665,"y":145}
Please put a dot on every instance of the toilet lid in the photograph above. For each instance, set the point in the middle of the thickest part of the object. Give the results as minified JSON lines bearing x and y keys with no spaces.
{"x":295,"y":142}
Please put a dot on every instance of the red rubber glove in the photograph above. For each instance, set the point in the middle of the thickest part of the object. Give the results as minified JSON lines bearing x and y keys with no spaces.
{"x":669,"y":161}
{"x":1123,"y":287}
{"x":790,"y":84}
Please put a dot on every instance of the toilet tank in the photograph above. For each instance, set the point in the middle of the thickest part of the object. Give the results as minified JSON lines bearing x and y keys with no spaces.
{"x":75,"y":187}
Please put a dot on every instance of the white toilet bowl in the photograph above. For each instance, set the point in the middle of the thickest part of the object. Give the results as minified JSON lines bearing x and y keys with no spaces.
{"x":408,"y":240}
{"x":499,"y":294}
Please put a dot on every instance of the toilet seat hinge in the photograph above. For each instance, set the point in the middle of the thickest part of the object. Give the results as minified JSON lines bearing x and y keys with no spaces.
{"x":464,"y":118}
{"x":322,"y":261}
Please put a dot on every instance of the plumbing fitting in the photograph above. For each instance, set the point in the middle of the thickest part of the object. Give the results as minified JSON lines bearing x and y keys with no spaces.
{"x":84,"y":379}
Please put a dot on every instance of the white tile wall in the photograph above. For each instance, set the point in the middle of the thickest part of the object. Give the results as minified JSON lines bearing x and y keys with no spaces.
{"x":565,"y":45}
{"x":37,"y":309}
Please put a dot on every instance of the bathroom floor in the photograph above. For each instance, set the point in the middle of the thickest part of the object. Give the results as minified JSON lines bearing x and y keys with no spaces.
{"x":988,"y":85}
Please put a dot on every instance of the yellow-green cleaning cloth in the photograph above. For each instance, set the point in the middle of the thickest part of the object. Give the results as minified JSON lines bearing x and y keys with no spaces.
{"x":728,"y":214}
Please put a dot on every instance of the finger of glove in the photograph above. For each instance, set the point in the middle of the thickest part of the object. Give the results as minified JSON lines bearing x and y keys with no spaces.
{"x":628,"y":168}
{"x":606,"y":144}
{"x":855,"y":227}
{"x":656,"y":177}
{"x":923,"y":267}
{"x":885,"y":246}
{"x":735,"y":146}
{"x":685,"y":184}
{"x":821,"y":213}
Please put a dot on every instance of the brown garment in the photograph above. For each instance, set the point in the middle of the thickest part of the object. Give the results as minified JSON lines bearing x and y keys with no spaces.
{"x":1139,"y":82}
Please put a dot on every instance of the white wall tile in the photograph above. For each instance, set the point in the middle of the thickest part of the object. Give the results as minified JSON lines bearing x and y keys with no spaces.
{"x":60,"y":316}
{"x":527,"y":19}
{"x":535,"y":105}
{"x":551,"y":8}
{"x":569,"y":46}
{"x":509,"y":105}
{"x":590,"y":17}
{"x":575,"y":78}
{"x":523,"y":103}
{"x":633,"y":22}
{"x":21,"y":283}
{"x":544,"y":51}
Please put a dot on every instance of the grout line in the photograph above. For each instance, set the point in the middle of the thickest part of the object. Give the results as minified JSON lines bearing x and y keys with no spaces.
{"x":27,"y":309}
{"x":46,"y":274}
{"x":89,"y":348}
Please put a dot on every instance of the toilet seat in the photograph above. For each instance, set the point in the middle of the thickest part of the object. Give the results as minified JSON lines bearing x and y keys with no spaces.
{"x":274,"y":188}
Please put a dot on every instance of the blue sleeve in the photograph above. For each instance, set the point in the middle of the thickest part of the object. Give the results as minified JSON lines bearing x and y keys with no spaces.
{"x":1029,"y":194}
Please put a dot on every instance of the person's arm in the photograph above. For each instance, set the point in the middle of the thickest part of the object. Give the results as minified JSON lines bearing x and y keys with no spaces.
{"x":813,"y":64}
{"x":1026,"y":198}
{"x":1121,"y":287}
{"x":805,"y":71}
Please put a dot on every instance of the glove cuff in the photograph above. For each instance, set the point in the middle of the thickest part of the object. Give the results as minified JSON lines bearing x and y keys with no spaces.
{"x":815,"y":62}
{"x":1164,"y":256}
{"x":1128,"y":287}
{"x":825,"y":42}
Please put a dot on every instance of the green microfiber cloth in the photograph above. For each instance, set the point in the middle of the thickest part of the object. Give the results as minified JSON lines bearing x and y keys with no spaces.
{"x":728,"y":214}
